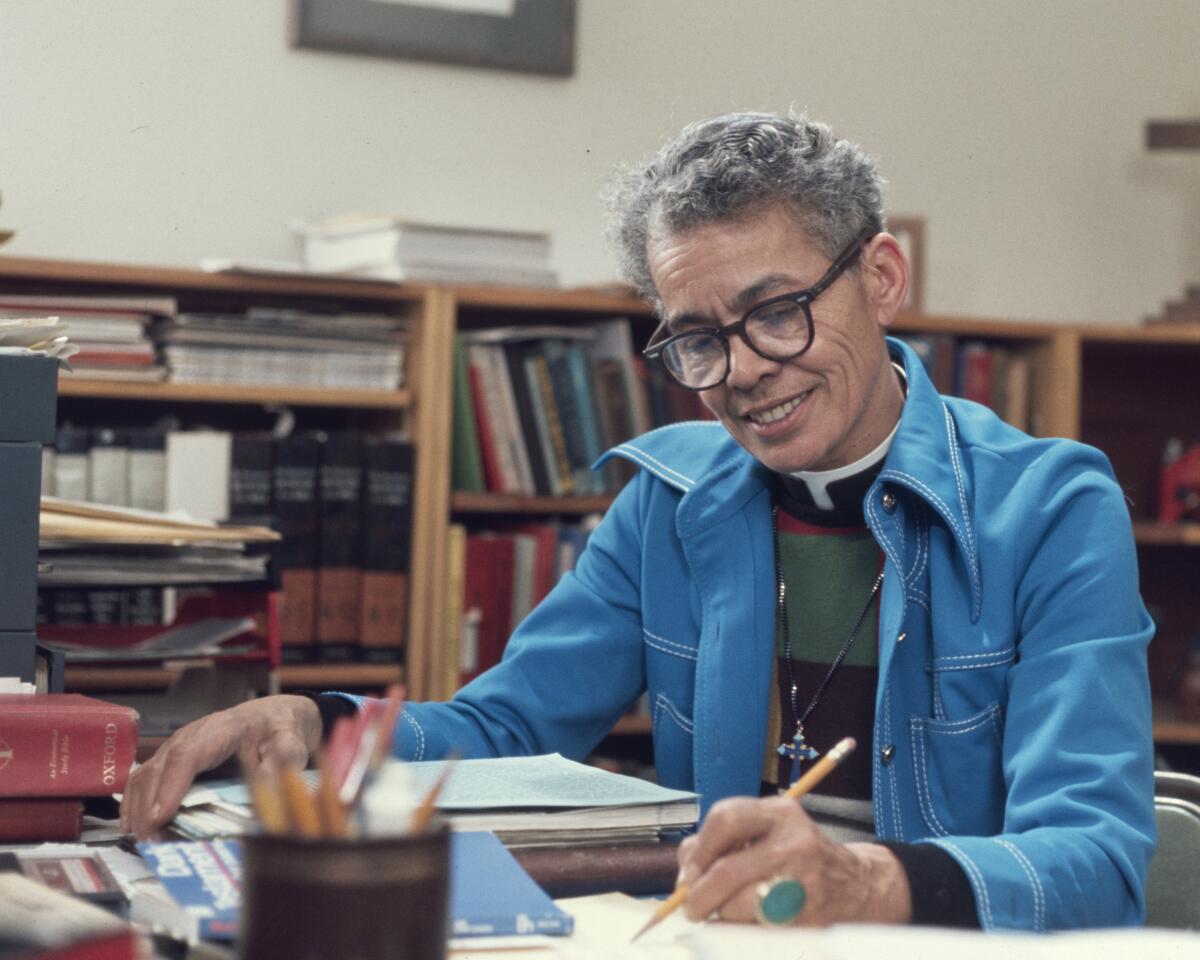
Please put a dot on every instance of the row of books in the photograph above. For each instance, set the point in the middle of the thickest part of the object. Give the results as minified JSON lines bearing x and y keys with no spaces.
{"x":535,"y":406}
{"x":498,"y":576}
{"x":998,"y":376}
{"x":147,"y":339}
{"x":340,"y":500}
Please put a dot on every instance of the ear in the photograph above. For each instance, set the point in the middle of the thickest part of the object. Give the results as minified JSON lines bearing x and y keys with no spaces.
{"x":885,"y":270}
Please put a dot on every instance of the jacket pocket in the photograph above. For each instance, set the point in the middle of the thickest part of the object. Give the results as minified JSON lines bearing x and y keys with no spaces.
{"x":673,"y":736}
{"x":957,"y":765}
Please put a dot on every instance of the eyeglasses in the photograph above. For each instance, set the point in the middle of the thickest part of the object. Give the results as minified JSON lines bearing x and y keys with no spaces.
{"x":777,"y":329}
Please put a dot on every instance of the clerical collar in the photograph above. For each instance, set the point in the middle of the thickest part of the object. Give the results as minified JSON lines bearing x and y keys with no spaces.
{"x":834,"y":497}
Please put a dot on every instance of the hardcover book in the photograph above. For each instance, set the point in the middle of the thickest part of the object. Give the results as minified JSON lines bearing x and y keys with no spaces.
{"x":387,"y":525}
{"x":339,"y":556}
{"x":64,"y":745}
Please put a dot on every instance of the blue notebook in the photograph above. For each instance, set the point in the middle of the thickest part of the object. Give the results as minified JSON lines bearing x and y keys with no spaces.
{"x":492,"y":895}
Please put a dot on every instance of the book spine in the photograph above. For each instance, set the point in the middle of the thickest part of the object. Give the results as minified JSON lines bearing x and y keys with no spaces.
{"x":554,"y":426}
{"x":387,"y":525}
{"x":489,"y":444}
{"x":514,"y":355}
{"x":466,"y":469}
{"x":541,"y":416}
{"x":65,"y":746}
{"x":514,"y":456}
{"x":585,"y":408}
{"x":40,"y":819}
{"x":294,"y":487}
{"x":339,"y":554}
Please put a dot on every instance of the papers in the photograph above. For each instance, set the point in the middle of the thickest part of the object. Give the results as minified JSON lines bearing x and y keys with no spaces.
{"x":527,"y":801}
{"x":66,"y":521}
{"x":727,"y":941}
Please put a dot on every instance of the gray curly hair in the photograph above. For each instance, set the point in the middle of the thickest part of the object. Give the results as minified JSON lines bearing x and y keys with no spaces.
{"x":731,"y":167}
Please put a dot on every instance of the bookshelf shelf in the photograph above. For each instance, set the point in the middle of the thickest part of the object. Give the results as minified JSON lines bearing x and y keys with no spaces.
{"x":633,"y":726}
{"x":1170,"y":728}
{"x":330,"y":675}
{"x":511,"y":503}
{"x":1157,"y":534}
{"x":218,"y":393}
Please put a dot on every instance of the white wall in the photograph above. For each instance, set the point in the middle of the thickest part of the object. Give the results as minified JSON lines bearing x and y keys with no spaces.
{"x":162,"y":132}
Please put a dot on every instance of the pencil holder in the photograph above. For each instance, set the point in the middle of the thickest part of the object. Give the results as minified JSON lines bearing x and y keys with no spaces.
{"x":379,"y":898}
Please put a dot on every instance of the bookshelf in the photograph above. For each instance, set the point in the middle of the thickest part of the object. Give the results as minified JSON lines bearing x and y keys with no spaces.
{"x":94,"y":402}
{"x":1124,"y":389}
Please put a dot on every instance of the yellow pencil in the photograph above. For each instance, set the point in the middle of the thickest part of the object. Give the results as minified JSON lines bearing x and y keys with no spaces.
{"x":424,"y":812}
{"x":333,"y":812}
{"x":268,"y":803}
{"x":301,"y":808}
{"x":819,"y":771}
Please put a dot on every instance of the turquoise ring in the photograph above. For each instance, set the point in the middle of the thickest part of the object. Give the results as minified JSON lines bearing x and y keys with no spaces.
{"x":778,"y":901}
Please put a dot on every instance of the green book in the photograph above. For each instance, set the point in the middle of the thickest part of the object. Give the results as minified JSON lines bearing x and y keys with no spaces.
{"x":466,"y":464}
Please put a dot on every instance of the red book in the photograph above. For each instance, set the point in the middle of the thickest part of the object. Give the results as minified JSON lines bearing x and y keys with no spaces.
{"x":64,"y":745}
{"x":483,"y":424}
{"x":40,"y":819}
{"x":487,"y":596}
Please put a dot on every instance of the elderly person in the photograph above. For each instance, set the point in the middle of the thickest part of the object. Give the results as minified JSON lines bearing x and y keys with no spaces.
{"x":845,"y":553}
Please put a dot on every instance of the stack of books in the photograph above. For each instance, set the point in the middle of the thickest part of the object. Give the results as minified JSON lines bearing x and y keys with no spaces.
{"x":59,"y":749}
{"x":112,"y":333}
{"x":289,"y":348}
{"x":386,"y":248}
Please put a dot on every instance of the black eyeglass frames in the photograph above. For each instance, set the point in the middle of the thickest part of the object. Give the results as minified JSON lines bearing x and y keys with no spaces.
{"x":777,"y":329}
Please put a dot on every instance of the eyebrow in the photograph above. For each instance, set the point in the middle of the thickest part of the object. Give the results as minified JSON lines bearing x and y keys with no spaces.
{"x":743,"y":301}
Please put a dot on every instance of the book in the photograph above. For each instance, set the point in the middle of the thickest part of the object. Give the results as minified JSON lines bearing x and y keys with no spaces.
{"x":79,"y":931}
{"x":40,"y":819}
{"x":108,"y":467}
{"x":388,"y":465}
{"x":65,"y":745}
{"x":974,"y":373}
{"x":204,"y":877}
{"x":487,"y":598}
{"x":339,"y":547}
{"x":466,"y":463}
{"x":148,"y":469}
{"x":492,"y":895}
{"x":76,"y":870}
{"x":294,"y":489}
{"x":197,"y":480}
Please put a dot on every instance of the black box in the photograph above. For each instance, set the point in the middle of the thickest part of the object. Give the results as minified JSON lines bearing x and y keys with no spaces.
{"x":28,"y":400}
{"x":20,"y":507}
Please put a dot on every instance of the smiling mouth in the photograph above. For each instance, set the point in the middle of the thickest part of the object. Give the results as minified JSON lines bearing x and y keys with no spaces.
{"x":775,"y":414}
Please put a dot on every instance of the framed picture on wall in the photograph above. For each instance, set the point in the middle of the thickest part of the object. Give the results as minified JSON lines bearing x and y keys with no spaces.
{"x":530,"y":35}
{"x":910,"y":231}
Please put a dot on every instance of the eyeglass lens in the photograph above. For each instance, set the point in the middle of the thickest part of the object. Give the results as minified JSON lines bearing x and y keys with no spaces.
{"x":777,"y":331}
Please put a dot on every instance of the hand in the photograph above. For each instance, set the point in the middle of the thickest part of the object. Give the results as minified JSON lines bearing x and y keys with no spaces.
{"x":283,"y":729}
{"x":745,"y":841}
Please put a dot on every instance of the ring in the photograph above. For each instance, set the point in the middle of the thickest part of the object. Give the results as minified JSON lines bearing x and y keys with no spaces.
{"x":778,"y":901}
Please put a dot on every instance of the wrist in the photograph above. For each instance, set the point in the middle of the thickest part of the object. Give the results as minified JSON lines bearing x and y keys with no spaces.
{"x":887,"y":894}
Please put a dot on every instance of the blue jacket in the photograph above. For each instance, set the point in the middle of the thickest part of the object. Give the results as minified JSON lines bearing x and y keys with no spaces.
{"x":1012,"y":717}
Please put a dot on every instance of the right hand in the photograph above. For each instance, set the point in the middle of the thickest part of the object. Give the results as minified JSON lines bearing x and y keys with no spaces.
{"x":282,"y":729}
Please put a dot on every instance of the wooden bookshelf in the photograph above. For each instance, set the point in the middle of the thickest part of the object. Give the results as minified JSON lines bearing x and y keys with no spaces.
{"x":70,"y":386}
{"x":1157,"y":534}
{"x":1170,"y":728}
{"x":633,"y":726}
{"x":513,"y":503}
{"x":350,"y":676}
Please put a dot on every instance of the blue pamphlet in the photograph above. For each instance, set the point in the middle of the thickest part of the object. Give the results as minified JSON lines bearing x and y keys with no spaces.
{"x":205,"y":878}
{"x":490,"y":892}
{"x":492,"y":895}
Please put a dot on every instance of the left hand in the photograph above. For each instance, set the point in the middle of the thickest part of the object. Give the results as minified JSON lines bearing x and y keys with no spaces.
{"x":745,"y":841}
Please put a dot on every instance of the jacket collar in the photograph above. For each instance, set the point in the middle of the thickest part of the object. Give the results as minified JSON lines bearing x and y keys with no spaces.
{"x":926,"y":459}
{"x":702,"y":461}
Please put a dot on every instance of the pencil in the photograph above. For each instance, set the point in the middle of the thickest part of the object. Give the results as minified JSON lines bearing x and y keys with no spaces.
{"x":301,"y":808}
{"x":819,"y":771}
{"x":267,"y":801}
{"x":333,"y":813}
{"x":424,"y":813}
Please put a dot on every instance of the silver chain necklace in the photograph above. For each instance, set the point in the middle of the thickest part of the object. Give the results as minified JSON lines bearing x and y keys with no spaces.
{"x":797,"y":749}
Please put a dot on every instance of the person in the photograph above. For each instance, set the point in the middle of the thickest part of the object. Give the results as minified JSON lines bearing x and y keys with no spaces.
{"x":846,"y":552}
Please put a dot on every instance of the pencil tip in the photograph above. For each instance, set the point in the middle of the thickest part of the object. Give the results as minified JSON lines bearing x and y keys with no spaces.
{"x":646,"y":926}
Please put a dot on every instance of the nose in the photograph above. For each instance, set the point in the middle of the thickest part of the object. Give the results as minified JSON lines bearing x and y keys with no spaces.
{"x":746,"y":367}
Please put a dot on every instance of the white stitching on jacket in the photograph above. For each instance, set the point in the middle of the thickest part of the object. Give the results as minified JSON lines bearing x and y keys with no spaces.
{"x":662,"y":702}
{"x":420,"y":734}
{"x":680,"y":649}
{"x":636,"y":452}
{"x":1039,"y":895}
{"x":924,"y":795}
{"x":977,"y":878}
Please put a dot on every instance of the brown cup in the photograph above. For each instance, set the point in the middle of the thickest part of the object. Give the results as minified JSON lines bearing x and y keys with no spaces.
{"x":380,"y":898}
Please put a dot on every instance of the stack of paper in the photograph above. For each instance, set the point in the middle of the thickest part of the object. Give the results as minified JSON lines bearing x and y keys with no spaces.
{"x":278,"y":347}
{"x":539,"y":801}
{"x":387,"y":248}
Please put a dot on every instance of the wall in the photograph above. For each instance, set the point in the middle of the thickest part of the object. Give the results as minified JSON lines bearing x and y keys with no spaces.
{"x":162,"y":132}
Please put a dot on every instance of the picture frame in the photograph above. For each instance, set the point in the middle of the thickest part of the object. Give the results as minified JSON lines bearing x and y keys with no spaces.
{"x":910,"y":231}
{"x":536,"y":36}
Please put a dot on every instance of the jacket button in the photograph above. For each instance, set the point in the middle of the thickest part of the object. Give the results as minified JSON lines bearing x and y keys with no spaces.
{"x":886,"y":753}
{"x":901,"y":637}
{"x":888,"y":501}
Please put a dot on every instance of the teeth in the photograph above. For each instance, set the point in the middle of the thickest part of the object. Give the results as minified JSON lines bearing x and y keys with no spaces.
{"x":777,"y":413}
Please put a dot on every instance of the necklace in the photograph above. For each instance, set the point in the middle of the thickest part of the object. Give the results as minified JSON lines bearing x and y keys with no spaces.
{"x":798,"y":749}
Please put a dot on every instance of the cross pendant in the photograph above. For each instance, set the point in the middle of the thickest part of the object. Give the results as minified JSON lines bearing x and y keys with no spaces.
{"x":799,"y":752}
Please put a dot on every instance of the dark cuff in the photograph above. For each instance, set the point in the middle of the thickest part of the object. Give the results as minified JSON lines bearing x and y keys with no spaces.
{"x":941,"y":892}
{"x":332,"y":708}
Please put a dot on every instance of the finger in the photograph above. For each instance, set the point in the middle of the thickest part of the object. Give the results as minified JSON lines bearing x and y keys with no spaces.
{"x":729,"y":883}
{"x":731,"y":824}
